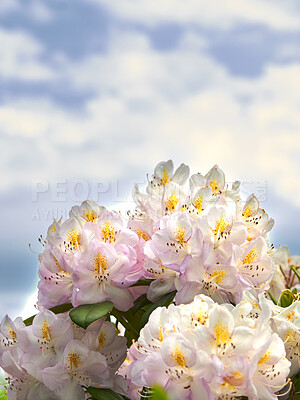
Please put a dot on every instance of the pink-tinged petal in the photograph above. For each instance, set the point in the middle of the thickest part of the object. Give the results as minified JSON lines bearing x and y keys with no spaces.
{"x":122,"y":298}
{"x":127,"y":237}
{"x":89,"y":293}
{"x":56,"y":377}
{"x":72,"y":391}
{"x":176,"y":350}
{"x":200,"y":390}
{"x":221,"y":324}
{"x":181,"y":174}
{"x":159,"y":287}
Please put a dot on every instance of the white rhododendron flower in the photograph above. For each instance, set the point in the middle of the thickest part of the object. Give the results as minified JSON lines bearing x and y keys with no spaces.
{"x":186,"y":292}
{"x":204,"y":350}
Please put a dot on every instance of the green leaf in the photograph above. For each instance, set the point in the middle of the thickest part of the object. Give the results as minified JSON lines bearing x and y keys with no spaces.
{"x":295,"y":391}
{"x":85,"y":314}
{"x":57,"y":310}
{"x":104,"y":394}
{"x":3,"y":385}
{"x":272,"y":298}
{"x":158,"y":393}
{"x":163,"y":301}
{"x":286,"y":298}
{"x":295,"y":272}
{"x":143,"y":282}
{"x":139,"y":303}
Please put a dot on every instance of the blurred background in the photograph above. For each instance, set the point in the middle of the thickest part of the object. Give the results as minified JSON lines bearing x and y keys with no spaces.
{"x":94,"y":93}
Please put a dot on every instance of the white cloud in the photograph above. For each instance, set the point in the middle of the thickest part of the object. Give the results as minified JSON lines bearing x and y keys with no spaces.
{"x":20,"y":57}
{"x":7,"y":6}
{"x":150,"y":105}
{"x":39,"y":11}
{"x":217,"y":14}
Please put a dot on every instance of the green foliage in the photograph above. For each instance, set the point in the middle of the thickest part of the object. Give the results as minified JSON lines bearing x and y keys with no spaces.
{"x":163,"y":301}
{"x":104,"y":394}
{"x":295,"y":272}
{"x":286,"y":298}
{"x":158,"y":393}
{"x":2,"y":389}
{"x":132,"y":320}
{"x":143,"y":282}
{"x":295,"y":392}
{"x":85,"y":314}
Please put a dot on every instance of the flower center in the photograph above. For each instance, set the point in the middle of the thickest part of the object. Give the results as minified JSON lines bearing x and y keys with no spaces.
{"x":180,"y":234}
{"x":214,"y":186}
{"x":172,"y":201}
{"x":198,"y":201}
{"x":142,"y":234}
{"x":218,"y":276}
{"x":73,"y":360}
{"x":108,"y":232}
{"x":165,"y":178}
{"x":74,"y":238}
{"x":178,"y":357}
{"x":90,"y":216}
{"x":251,"y":256}
{"x":236,"y":379}
{"x":100,"y":264}
{"x":248,"y":212}
{"x":11,"y":332}
{"x":45,"y":331}
{"x":264,"y":358}
{"x":101,"y":340}
{"x":221,"y":224}
{"x":222,"y":334}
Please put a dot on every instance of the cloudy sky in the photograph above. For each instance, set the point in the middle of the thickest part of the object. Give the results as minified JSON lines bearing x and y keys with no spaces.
{"x":94,"y":93}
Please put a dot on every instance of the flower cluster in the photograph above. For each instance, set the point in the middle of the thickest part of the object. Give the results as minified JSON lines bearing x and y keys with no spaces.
{"x":203,"y":238}
{"x":208,"y":351}
{"x":285,"y":269}
{"x":88,"y":258}
{"x":53,"y":358}
{"x":212,"y":309}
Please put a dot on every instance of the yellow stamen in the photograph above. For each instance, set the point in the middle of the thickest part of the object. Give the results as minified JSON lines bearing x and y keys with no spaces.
{"x":222,"y":334}
{"x":100,"y":264}
{"x":90,"y":216}
{"x":218,"y":275}
{"x":264,"y":358}
{"x":251,"y":256}
{"x":73,"y":360}
{"x":165,"y":178}
{"x":291,"y":316}
{"x":178,"y":357}
{"x":227,"y":385}
{"x":74,"y":237}
{"x":180,"y":234}
{"x":172,"y":201}
{"x":59,"y":268}
{"x":214,"y":186}
{"x":235,"y":379}
{"x":11,"y":332}
{"x":200,"y":317}
{"x":221,"y":224}
{"x":108,"y":232}
{"x":248,"y":212}
{"x":160,"y":335}
{"x":198,"y":202}
{"x":101,"y":340}
{"x":45,"y":331}
{"x":142,"y":235}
